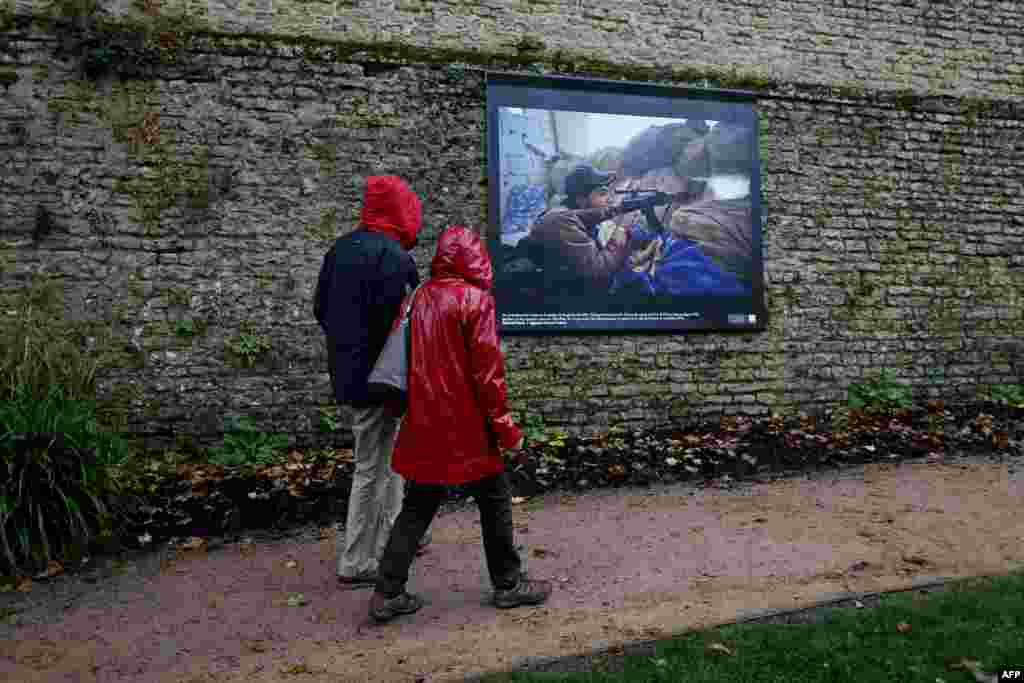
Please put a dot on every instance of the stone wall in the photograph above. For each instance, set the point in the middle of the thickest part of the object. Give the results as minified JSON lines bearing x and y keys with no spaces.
{"x":184,"y":179}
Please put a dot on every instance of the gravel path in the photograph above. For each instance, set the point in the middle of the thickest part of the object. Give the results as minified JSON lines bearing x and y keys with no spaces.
{"x":629,"y":565}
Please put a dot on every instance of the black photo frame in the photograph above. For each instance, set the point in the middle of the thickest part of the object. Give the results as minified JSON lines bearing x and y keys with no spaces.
{"x":697,"y":267}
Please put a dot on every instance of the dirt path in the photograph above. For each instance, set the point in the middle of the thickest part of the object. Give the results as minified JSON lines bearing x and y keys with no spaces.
{"x":628,"y":565}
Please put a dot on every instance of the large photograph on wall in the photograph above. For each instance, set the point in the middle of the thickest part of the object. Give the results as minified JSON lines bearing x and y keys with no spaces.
{"x":623,"y":206}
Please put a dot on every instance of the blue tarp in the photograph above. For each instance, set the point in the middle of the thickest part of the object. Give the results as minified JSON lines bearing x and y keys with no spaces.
{"x":681,"y":270}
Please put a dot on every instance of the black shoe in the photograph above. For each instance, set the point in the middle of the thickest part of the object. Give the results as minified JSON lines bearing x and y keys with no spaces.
{"x":526,"y":592}
{"x":384,"y":609}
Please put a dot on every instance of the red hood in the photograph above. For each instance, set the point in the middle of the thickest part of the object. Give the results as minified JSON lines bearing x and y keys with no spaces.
{"x":390,"y":207}
{"x":461,"y":253}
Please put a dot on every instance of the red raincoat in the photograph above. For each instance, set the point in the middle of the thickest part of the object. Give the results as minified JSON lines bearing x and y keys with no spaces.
{"x":458,"y":409}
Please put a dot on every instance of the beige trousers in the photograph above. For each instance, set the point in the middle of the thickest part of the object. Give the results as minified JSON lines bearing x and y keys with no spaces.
{"x":377,"y":491}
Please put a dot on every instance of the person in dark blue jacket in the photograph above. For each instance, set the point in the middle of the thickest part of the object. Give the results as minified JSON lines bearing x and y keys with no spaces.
{"x":362,"y":282}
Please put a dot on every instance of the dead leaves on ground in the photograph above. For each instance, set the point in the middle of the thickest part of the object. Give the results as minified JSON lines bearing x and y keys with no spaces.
{"x":53,"y":569}
{"x":194,"y":544}
{"x":296,"y":669}
{"x":298,"y":471}
{"x":24,"y":584}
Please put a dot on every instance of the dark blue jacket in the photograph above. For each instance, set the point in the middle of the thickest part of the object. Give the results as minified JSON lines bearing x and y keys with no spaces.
{"x":362,"y":282}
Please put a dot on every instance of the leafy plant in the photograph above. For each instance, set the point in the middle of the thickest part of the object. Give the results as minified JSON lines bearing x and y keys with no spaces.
{"x":881,"y":394}
{"x":40,"y":347}
{"x":329,"y":421}
{"x":53,"y":499}
{"x":534,"y":430}
{"x":249,"y":346}
{"x":1009,"y":394}
{"x":245,"y":444}
{"x":185,"y":328}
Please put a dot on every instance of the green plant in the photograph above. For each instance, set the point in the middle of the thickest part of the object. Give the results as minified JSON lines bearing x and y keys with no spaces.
{"x":40,"y":348}
{"x":55,"y":491}
{"x":248,"y":346}
{"x":880,"y":394}
{"x":329,"y":421}
{"x":533,"y":429}
{"x":245,"y":444}
{"x":1009,"y":394}
{"x":185,"y":328}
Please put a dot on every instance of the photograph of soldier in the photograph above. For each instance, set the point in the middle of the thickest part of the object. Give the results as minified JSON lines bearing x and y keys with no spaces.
{"x":624,"y":205}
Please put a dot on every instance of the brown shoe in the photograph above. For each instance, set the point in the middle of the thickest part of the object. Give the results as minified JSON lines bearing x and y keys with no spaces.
{"x":526,"y":592}
{"x":384,"y":609}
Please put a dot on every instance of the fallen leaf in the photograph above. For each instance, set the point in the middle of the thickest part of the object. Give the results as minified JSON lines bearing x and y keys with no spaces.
{"x":53,"y":569}
{"x":296,"y":600}
{"x":903,"y":627}
{"x":24,"y":585}
{"x":291,"y":564}
{"x":256,"y":646}
{"x":194,"y":543}
{"x":540,"y":552}
{"x":518,"y":500}
{"x":296,"y":669}
{"x":719,"y":647}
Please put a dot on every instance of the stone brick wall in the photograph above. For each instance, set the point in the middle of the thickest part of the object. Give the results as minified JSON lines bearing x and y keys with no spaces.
{"x":184,"y":181}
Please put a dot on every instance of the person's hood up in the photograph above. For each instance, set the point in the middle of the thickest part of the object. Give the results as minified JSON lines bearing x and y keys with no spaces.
{"x":461,"y":253}
{"x":390,"y":207}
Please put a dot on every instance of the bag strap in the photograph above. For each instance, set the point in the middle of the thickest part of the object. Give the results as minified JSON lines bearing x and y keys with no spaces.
{"x":408,"y":306}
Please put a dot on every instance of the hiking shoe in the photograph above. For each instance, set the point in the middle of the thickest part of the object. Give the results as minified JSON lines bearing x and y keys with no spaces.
{"x":526,"y":592}
{"x":385,"y":609}
{"x":364,"y":580}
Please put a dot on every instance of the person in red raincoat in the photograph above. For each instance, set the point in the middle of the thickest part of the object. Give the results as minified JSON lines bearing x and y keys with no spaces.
{"x":456,"y":426}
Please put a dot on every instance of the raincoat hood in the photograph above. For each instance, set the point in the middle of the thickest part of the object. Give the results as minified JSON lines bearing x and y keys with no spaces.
{"x":461,"y":253}
{"x":390,"y":207}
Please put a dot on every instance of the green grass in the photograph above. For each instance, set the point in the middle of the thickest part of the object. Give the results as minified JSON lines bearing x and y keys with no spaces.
{"x":981,"y":620}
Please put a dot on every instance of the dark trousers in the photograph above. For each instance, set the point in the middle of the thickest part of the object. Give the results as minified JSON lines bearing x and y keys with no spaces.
{"x":494,"y":501}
